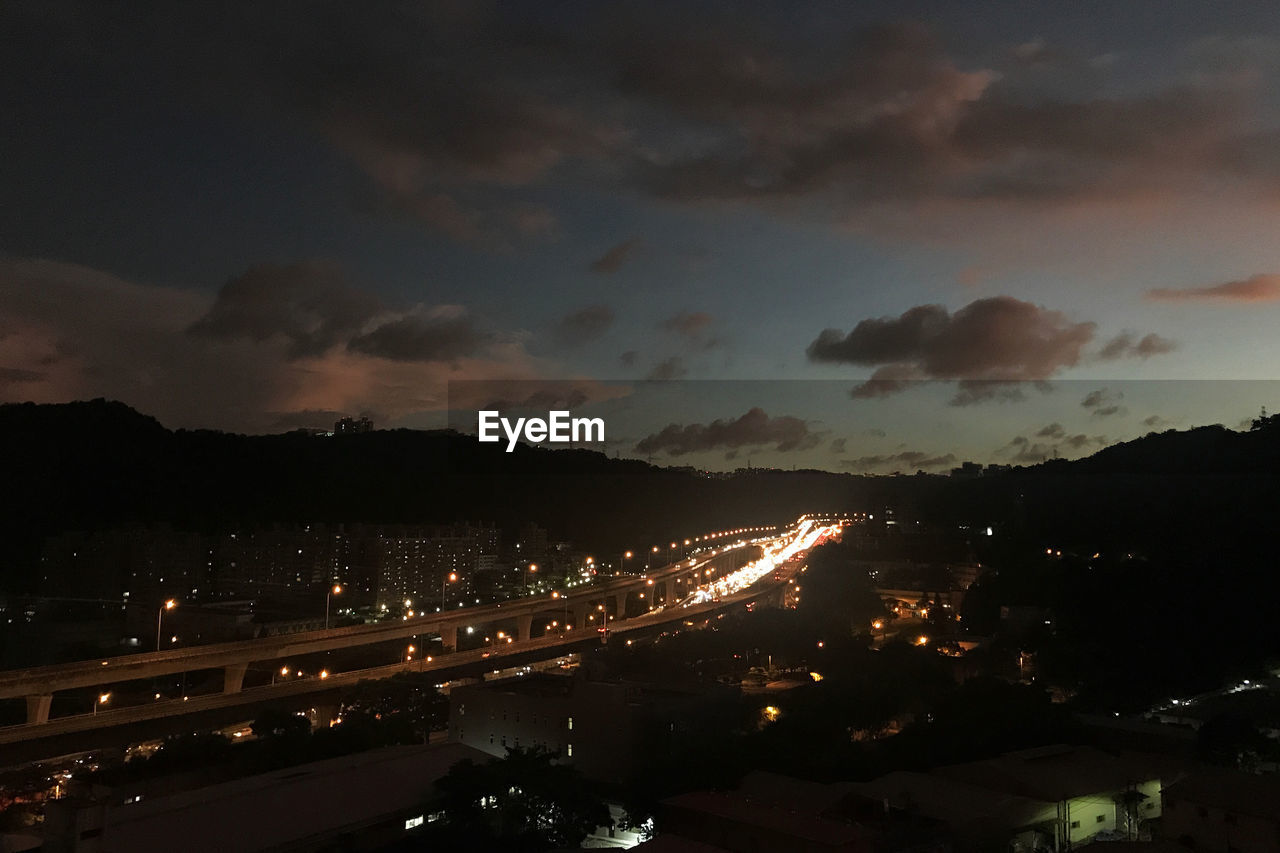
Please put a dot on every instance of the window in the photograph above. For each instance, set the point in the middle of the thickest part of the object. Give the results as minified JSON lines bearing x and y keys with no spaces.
{"x":569,"y":751}
{"x":1075,"y":824}
{"x":571,"y":724}
{"x":1100,"y":818}
{"x":414,"y":821}
{"x":462,"y":709}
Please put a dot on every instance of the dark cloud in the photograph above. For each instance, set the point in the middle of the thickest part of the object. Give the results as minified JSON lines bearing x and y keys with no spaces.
{"x":467,"y":397}
{"x":629,"y":358}
{"x":584,"y":325}
{"x":892,"y":120}
{"x":838,"y":445}
{"x":1025,"y":451}
{"x":970,"y":392}
{"x":424,"y":337}
{"x":669,"y":368}
{"x":753,"y":429}
{"x":690,"y":324}
{"x":908,"y":458}
{"x":1257,"y":288}
{"x":1104,"y":403}
{"x":308,"y":304}
{"x":451,"y":110}
{"x":1128,"y":345}
{"x":612,"y":260}
{"x":1000,"y":339}
{"x":16,"y":375}
{"x":1154,"y":421}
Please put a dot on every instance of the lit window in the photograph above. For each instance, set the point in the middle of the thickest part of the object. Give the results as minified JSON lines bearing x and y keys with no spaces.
{"x":571,"y":724}
{"x":569,"y":751}
{"x":414,"y":821}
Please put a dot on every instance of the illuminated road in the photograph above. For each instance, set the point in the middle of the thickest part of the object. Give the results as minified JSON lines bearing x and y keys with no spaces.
{"x":717,"y":594}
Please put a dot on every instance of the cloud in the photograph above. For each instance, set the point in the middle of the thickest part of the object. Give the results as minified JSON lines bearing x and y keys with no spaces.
{"x":995,"y":340}
{"x":1024,"y":451}
{"x":1154,"y":422}
{"x":970,"y":392}
{"x":612,"y":260}
{"x":453,"y":112}
{"x":669,"y":368}
{"x":838,"y":445}
{"x":753,"y":429}
{"x":907,"y":458}
{"x":1104,"y":403}
{"x":438,"y":335}
{"x":689,"y":324}
{"x":309,"y":304}
{"x":629,"y":358}
{"x":238,"y":360}
{"x":17,"y":375}
{"x":584,"y":325}
{"x":1124,"y":345}
{"x":467,"y":397}
{"x":1257,"y":288}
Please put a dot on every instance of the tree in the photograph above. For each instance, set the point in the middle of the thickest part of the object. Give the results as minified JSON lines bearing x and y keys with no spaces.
{"x":526,"y":801}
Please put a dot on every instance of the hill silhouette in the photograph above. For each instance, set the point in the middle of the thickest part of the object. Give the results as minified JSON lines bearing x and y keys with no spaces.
{"x":94,"y":464}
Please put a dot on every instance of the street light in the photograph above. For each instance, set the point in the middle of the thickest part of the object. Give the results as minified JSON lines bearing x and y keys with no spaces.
{"x":101,"y":700}
{"x":622,"y":564}
{"x":532,"y":568}
{"x":452,"y":577}
{"x":168,"y":605}
{"x":335,"y":590}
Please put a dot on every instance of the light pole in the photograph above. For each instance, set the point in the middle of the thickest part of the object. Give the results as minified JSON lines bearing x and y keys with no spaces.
{"x":452,"y":577}
{"x":101,"y":700}
{"x":647,"y":559}
{"x":622,"y":564}
{"x":168,"y":605}
{"x":335,"y":590}
{"x":532,"y":568}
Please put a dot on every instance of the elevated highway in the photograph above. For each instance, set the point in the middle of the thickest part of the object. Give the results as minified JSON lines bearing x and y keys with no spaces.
{"x":623,"y":603}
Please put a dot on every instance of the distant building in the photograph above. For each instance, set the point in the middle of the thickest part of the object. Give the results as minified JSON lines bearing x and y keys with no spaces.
{"x":1223,"y":810}
{"x":360,"y":802}
{"x":1053,"y":798}
{"x":350,"y":426}
{"x":967,"y":471}
{"x":600,"y":727}
{"x":287,"y":566}
{"x":777,"y":814}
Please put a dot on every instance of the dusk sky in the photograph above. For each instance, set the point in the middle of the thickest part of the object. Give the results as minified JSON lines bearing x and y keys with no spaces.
{"x":912,"y":233}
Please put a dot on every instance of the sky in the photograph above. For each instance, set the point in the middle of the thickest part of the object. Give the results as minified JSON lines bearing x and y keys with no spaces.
{"x":731,"y":227}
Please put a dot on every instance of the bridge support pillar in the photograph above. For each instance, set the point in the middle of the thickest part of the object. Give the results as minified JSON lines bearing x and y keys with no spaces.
{"x":524,"y":624}
{"x":233,"y":677}
{"x":620,"y":606}
{"x":323,"y":714}
{"x":38,"y":707}
{"x":580,"y":612}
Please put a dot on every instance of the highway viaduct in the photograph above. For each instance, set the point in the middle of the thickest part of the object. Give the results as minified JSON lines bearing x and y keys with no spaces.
{"x":575,"y":609}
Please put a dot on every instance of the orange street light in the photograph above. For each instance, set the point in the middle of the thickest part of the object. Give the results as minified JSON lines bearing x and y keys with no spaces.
{"x":168,"y":605}
{"x":336,"y":589}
